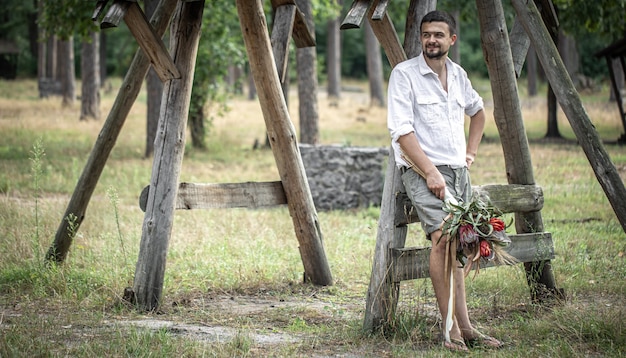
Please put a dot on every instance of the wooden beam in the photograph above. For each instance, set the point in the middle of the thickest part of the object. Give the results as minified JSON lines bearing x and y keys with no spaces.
{"x":380,"y":10}
{"x":509,"y":198}
{"x":169,"y":146}
{"x":281,"y":33}
{"x":249,"y":195}
{"x":115,"y":14}
{"x":387,"y":36}
{"x":302,"y":34}
{"x":283,"y":140}
{"x":150,"y":43}
{"x":128,"y":92}
{"x":411,"y":263}
{"x":356,"y":14}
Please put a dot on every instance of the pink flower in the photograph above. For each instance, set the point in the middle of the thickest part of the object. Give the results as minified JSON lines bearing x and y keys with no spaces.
{"x":485,"y":248}
{"x":467,"y":234}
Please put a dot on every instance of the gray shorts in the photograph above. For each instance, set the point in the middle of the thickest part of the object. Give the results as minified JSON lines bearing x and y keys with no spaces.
{"x":428,"y":206}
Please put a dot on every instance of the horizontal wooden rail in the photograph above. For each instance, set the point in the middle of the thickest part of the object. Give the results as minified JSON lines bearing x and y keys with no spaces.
{"x":411,"y":263}
{"x":509,"y":198}
{"x":227,"y":195}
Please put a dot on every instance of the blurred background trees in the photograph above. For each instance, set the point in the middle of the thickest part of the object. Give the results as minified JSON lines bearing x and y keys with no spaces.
{"x":45,"y":39}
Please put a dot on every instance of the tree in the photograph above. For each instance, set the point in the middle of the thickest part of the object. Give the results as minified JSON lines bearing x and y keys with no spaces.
{"x":65,"y":60}
{"x":306,"y":63}
{"x":374,"y":67}
{"x":90,"y":73}
{"x":333,"y":57}
{"x":66,"y":18}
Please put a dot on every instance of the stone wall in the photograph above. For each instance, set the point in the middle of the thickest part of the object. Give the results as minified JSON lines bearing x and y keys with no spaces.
{"x":344,"y":177}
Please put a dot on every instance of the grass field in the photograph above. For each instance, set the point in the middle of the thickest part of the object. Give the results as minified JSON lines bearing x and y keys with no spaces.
{"x":233,"y":279}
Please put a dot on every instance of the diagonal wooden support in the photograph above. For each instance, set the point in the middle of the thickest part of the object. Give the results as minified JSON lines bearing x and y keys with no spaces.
{"x":302,"y":35}
{"x":281,"y":33}
{"x":144,"y":33}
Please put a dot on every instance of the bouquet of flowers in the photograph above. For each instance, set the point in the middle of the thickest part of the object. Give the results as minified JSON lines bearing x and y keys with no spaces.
{"x":480,"y":232}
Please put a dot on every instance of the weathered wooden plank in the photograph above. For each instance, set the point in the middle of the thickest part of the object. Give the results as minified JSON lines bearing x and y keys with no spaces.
{"x":380,"y":10}
{"x":520,"y":42}
{"x":283,"y":140}
{"x":413,"y":262}
{"x":509,"y":198}
{"x":387,"y":36}
{"x":224,"y":195}
{"x":169,"y":146}
{"x":115,"y":14}
{"x":354,"y":17}
{"x":281,"y":33}
{"x":302,"y":34}
{"x":150,"y":43}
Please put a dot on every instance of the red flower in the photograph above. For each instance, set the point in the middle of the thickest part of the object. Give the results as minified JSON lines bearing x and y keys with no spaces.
{"x":497,"y":224}
{"x":485,"y":249}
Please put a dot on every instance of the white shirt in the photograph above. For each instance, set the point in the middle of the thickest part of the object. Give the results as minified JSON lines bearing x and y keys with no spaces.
{"x":418,"y":103}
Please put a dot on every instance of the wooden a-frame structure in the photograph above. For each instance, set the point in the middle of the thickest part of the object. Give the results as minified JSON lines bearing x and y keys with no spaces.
{"x":268,"y":60}
{"x":393,"y":262}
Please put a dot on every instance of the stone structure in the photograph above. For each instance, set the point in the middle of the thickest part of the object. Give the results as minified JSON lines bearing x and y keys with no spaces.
{"x":344,"y":177}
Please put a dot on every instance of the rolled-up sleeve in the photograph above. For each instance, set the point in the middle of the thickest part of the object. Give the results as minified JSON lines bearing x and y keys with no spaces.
{"x":400,"y":105}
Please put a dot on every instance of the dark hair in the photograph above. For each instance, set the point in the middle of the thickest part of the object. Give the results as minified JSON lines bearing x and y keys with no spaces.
{"x":440,"y":16}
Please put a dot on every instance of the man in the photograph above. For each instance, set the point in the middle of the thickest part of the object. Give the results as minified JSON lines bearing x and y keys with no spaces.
{"x":428,"y":97}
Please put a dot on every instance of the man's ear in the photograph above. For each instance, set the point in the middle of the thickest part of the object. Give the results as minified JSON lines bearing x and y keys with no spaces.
{"x":453,"y":37}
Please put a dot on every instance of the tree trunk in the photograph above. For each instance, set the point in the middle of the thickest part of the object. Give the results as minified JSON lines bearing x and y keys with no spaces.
{"x":374,"y":67}
{"x":531,"y":71}
{"x":306,"y":64}
{"x":90,"y":75}
{"x":553,"y":121}
{"x":553,"y":106}
{"x":251,"y":87}
{"x":41,"y":46}
{"x":510,"y":123}
{"x":103,"y":58}
{"x":333,"y":59}
{"x":52,"y":70}
{"x":455,"y":52}
{"x":169,"y":151}
{"x":154,"y":89}
{"x":67,"y":67}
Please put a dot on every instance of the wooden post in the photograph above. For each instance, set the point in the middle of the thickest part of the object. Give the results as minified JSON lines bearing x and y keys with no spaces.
{"x":169,"y":148}
{"x":508,"y":117}
{"x":106,"y":140}
{"x":570,"y":102}
{"x":282,"y":137}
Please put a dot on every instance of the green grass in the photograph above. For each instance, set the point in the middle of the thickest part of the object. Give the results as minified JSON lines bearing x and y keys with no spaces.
{"x":241,"y":269}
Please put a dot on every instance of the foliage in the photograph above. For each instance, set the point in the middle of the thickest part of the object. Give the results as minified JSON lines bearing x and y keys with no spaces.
{"x":604,"y":17}
{"x":220,"y":48}
{"x":66,"y":18}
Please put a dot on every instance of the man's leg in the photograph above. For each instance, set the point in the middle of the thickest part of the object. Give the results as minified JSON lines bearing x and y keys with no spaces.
{"x":441,"y":284}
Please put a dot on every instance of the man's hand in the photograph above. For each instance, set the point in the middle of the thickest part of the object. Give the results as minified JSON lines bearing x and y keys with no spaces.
{"x":469,"y":159}
{"x":436,"y":183}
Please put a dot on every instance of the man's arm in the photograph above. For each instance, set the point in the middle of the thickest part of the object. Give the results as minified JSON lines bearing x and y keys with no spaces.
{"x":412,"y":149}
{"x":476,"y":128}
